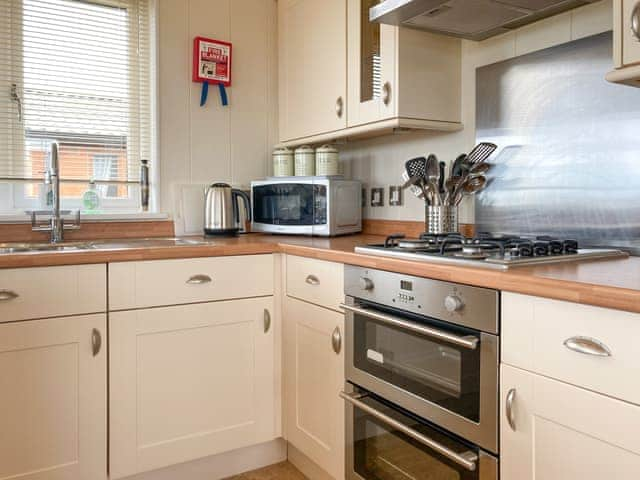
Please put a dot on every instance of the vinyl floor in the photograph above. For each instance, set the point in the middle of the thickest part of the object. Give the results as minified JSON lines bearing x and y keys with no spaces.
{"x":278,"y":471}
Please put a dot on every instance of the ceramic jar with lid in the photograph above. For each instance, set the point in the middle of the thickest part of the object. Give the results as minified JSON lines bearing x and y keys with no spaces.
{"x":327,"y":160}
{"x":305,"y":161}
{"x":282,"y":162}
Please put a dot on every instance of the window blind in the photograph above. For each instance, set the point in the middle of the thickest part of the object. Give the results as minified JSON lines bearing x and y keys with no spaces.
{"x":76,"y":72}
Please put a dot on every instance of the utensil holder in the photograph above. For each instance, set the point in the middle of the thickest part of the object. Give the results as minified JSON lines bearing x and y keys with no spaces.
{"x":442,"y":219}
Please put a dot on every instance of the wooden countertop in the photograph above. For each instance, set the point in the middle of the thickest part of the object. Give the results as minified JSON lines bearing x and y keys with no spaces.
{"x":613,"y":283}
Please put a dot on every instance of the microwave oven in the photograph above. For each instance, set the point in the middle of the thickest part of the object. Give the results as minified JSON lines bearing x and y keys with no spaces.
{"x":323,"y":206}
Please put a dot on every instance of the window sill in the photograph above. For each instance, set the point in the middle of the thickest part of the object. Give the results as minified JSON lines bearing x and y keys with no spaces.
{"x":94,"y":217}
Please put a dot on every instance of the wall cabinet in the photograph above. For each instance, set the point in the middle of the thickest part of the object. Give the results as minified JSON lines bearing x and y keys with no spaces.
{"x":394,"y":73}
{"x":312,"y":67}
{"x":559,"y":431}
{"x":190,"y":381}
{"x":313,"y":378}
{"x":53,"y":405}
{"x":626,"y":42}
{"x":341,"y":75}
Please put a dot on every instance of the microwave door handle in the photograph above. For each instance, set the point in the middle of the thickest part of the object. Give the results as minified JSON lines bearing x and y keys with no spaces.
{"x":467,"y":460}
{"x":470,"y":342}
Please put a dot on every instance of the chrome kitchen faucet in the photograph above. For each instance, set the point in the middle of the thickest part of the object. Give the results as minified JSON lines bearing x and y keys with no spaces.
{"x":55,"y":224}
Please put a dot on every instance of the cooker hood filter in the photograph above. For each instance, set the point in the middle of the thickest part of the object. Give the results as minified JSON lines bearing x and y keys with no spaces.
{"x":470,"y":19}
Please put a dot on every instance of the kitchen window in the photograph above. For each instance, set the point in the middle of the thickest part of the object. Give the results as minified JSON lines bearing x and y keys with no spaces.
{"x":76,"y":72}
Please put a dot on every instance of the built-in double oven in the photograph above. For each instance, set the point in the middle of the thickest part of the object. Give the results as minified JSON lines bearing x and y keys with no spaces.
{"x":422,"y":378}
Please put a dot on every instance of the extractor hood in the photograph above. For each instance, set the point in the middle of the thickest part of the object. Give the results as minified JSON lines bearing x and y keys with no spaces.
{"x":470,"y":19}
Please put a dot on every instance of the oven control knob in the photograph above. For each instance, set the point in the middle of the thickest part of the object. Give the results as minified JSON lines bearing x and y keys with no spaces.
{"x":453,"y":303}
{"x":366,"y":284}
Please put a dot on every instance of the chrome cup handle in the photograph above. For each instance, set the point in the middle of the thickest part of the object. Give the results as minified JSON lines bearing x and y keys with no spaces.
{"x":635,"y":20}
{"x":336,"y":340}
{"x":198,"y":279}
{"x":587,"y":346}
{"x":6,"y":295}
{"x":511,"y":396}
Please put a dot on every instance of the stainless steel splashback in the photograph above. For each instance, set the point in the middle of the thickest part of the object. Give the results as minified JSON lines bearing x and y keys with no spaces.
{"x":568,"y":162}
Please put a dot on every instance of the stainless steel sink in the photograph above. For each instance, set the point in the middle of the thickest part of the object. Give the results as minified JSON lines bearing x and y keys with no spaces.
{"x":6,"y":248}
{"x":123,"y":244}
{"x":118,"y":244}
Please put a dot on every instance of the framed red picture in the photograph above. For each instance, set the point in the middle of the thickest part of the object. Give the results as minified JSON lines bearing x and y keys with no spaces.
{"x":211,"y":61}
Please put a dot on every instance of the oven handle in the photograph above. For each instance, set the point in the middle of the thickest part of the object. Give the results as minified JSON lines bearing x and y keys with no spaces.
{"x":467,"y":460}
{"x":469,"y":342}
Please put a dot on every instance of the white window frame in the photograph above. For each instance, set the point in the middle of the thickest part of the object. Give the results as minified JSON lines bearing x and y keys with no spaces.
{"x":14,"y":194}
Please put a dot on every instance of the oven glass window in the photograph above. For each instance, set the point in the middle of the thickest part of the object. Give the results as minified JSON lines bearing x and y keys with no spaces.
{"x":290,"y":204}
{"x":383,"y":453}
{"x":434,"y":370}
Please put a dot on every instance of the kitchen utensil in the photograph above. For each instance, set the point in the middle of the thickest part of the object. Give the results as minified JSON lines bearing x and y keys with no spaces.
{"x":457,"y":166}
{"x":432,"y":177}
{"x":409,"y":183}
{"x":222,"y":215}
{"x":450,"y":185}
{"x":479,"y":169}
{"x":417,"y":168}
{"x":470,"y":186}
{"x":442,"y":177}
{"x":481,"y":152}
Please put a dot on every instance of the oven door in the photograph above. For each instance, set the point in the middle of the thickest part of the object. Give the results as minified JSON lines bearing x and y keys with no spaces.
{"x":386,"y":443}
{"x":444,"y":373}
{"x":290,"y":204}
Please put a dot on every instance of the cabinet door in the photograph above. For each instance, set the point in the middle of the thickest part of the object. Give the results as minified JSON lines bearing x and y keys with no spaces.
{"x":371,"y":64}
{"x":564,"y":432}
{"x":53,"y":405}
{"x":312,"y":67}
{"x":190,"y":381}
{"x":314,"y":376}
{"x":630,"y":41}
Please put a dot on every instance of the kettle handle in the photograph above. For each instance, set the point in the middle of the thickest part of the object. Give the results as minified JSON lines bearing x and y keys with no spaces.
{"x":247,"y":203}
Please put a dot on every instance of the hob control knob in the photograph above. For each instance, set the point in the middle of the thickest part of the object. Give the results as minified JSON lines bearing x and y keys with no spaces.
{"x":453,"y":303}
{"x":366,"y":284}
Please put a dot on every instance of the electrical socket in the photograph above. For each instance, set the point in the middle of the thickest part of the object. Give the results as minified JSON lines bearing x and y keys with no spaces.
{"x":377,"y":197}
{"x":395,"y":195}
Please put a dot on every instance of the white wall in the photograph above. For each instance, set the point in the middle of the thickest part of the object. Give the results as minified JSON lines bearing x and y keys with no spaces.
{"x":200,"y":145}
{"x":380,"y":162}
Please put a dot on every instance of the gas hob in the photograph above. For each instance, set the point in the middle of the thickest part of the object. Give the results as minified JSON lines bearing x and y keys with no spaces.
{"x":486,"y":250}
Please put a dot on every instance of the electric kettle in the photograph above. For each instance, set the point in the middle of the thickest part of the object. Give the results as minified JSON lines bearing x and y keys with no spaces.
{"x":222,"y":215}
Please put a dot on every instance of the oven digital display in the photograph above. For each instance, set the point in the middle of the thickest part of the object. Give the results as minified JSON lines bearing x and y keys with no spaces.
{"x":406,"y":285}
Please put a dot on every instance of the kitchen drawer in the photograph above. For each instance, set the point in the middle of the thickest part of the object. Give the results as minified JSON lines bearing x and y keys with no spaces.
{"x":41,"y":292}
{"x":535,"y":330}
{"x":190,"y":280}
{"x":315,"y":281}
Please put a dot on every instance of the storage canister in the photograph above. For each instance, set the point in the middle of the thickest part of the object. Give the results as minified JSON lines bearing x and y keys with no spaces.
{"x":327,"y":160}
{"x":305,"y":161}
{"x":282,"y":162}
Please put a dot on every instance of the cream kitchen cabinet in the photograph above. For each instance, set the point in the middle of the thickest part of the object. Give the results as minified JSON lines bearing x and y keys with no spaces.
{"x":312,"y":60}
{"x":552,"y":430}
{"x":570,"y":400}
{"x":342,"y":76}
{"x":53,"y":405}
{"x":626,"y":42}
{"x":190,"y":381}
{"x":313,"y":378}
{"x":400,"y":76}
